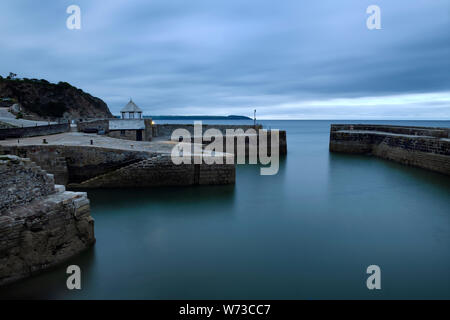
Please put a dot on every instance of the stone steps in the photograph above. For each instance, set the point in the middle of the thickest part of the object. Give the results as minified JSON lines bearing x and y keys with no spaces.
{"x":152,"y":164}
{"x":159,"y":170}
{"x":134,"y":165}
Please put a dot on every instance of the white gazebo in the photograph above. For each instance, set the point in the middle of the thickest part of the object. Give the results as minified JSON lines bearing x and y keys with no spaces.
{"x":131,"y":111}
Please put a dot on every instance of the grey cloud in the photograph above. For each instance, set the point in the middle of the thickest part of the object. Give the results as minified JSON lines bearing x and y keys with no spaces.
{"x":214,"y":57}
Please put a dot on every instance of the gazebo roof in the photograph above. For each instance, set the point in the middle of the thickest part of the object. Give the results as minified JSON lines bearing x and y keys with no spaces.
{"x":131,"y":107}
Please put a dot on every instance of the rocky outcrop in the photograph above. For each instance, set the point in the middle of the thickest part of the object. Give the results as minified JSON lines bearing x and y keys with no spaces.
{"x":41,"y":225}
{"x":41,"y":100}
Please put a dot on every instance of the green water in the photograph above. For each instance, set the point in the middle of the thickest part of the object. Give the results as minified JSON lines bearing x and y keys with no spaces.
{"x":309,"y":232}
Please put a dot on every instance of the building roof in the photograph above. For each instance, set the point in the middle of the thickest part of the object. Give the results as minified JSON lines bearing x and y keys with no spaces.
{"x":131,"y":107}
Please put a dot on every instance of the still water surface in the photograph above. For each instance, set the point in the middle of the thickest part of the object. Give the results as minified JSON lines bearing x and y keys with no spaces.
{"x":307,"y":233}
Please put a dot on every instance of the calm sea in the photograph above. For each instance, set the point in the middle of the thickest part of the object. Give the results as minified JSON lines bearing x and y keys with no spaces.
{"x":309,"y":232}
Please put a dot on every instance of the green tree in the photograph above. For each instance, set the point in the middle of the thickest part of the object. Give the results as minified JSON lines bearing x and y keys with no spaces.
{"x":11,"y":76}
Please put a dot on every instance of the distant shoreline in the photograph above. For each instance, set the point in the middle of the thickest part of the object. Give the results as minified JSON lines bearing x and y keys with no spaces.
{"x":231,"y":117}
{"x":264,"y":119}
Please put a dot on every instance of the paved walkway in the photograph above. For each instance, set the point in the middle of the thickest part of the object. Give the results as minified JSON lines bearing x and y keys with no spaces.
{"x":8,"y":117}
{"x":84,"y":139}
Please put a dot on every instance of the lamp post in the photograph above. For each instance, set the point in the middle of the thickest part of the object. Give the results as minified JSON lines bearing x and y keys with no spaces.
{"x":254,"y":118}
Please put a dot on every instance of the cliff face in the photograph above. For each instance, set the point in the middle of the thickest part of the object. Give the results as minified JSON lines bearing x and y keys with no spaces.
{"x":41,"y":100}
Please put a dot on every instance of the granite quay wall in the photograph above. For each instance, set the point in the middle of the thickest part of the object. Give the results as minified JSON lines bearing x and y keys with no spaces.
{"x":14,"y":172}
{"x":127,"y":133}
{"x":160,"y":171}
{"x":87,"y":162}
{"x":49,"y":158}
{"x":148,"y":132}
{"x":427,"y":148}
{"x":93,"y":126}
{"x":34,"y":131}
{"x":41,"y":225}
{"x":249,"y":142}
{"x":166,"y":130}
{"x":415,"y":131}
{"x":75,"y":163}
{"x":241,"y":140}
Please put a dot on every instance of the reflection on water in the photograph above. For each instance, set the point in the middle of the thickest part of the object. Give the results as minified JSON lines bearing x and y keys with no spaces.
{"x":52,"y":284}
{"x":309,"y":232}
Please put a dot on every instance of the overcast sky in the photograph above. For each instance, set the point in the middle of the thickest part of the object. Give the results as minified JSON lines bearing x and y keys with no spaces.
{"x":289,"y":59}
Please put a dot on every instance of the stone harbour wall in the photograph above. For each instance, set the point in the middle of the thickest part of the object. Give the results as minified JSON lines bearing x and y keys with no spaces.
{"x":247,"y":143}
{"x":75,"y":163}
{"x":409,"y":130}
{"x":161,"y":171}
{"x":427,"y":148}
{"x":118,"y":128}
{"x":21,"y":182}
{"x":34,"y":131}
{"x":93,"y":125}
{"x":124,"y":134}
{"x":87,"y":162}
{"x":95,"y":167}
{"x":241,"y":140}
{"x":166,"y":130}
{"x":41,"y":228}
{"x":50,"y":159}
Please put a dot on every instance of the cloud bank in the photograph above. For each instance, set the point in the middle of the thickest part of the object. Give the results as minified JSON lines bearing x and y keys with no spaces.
{"x":288,"y":59}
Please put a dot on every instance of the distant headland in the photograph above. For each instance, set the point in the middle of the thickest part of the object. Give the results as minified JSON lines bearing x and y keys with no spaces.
{"x":230,"y":117}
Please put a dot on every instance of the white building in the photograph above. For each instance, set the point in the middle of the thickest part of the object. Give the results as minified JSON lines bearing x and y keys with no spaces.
{"x":131,"y":111}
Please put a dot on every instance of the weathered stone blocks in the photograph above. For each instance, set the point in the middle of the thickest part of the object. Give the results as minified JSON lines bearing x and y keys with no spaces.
{"x":161,"y":171}
{"x":41,"y":225}
{"x":427,"y":148}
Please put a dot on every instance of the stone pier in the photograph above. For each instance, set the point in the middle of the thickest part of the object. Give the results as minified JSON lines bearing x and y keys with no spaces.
{"x":41,"y":224}
{"x":114,"y":163}
{"x":86,"y":160}
{"x":422,"y":147}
